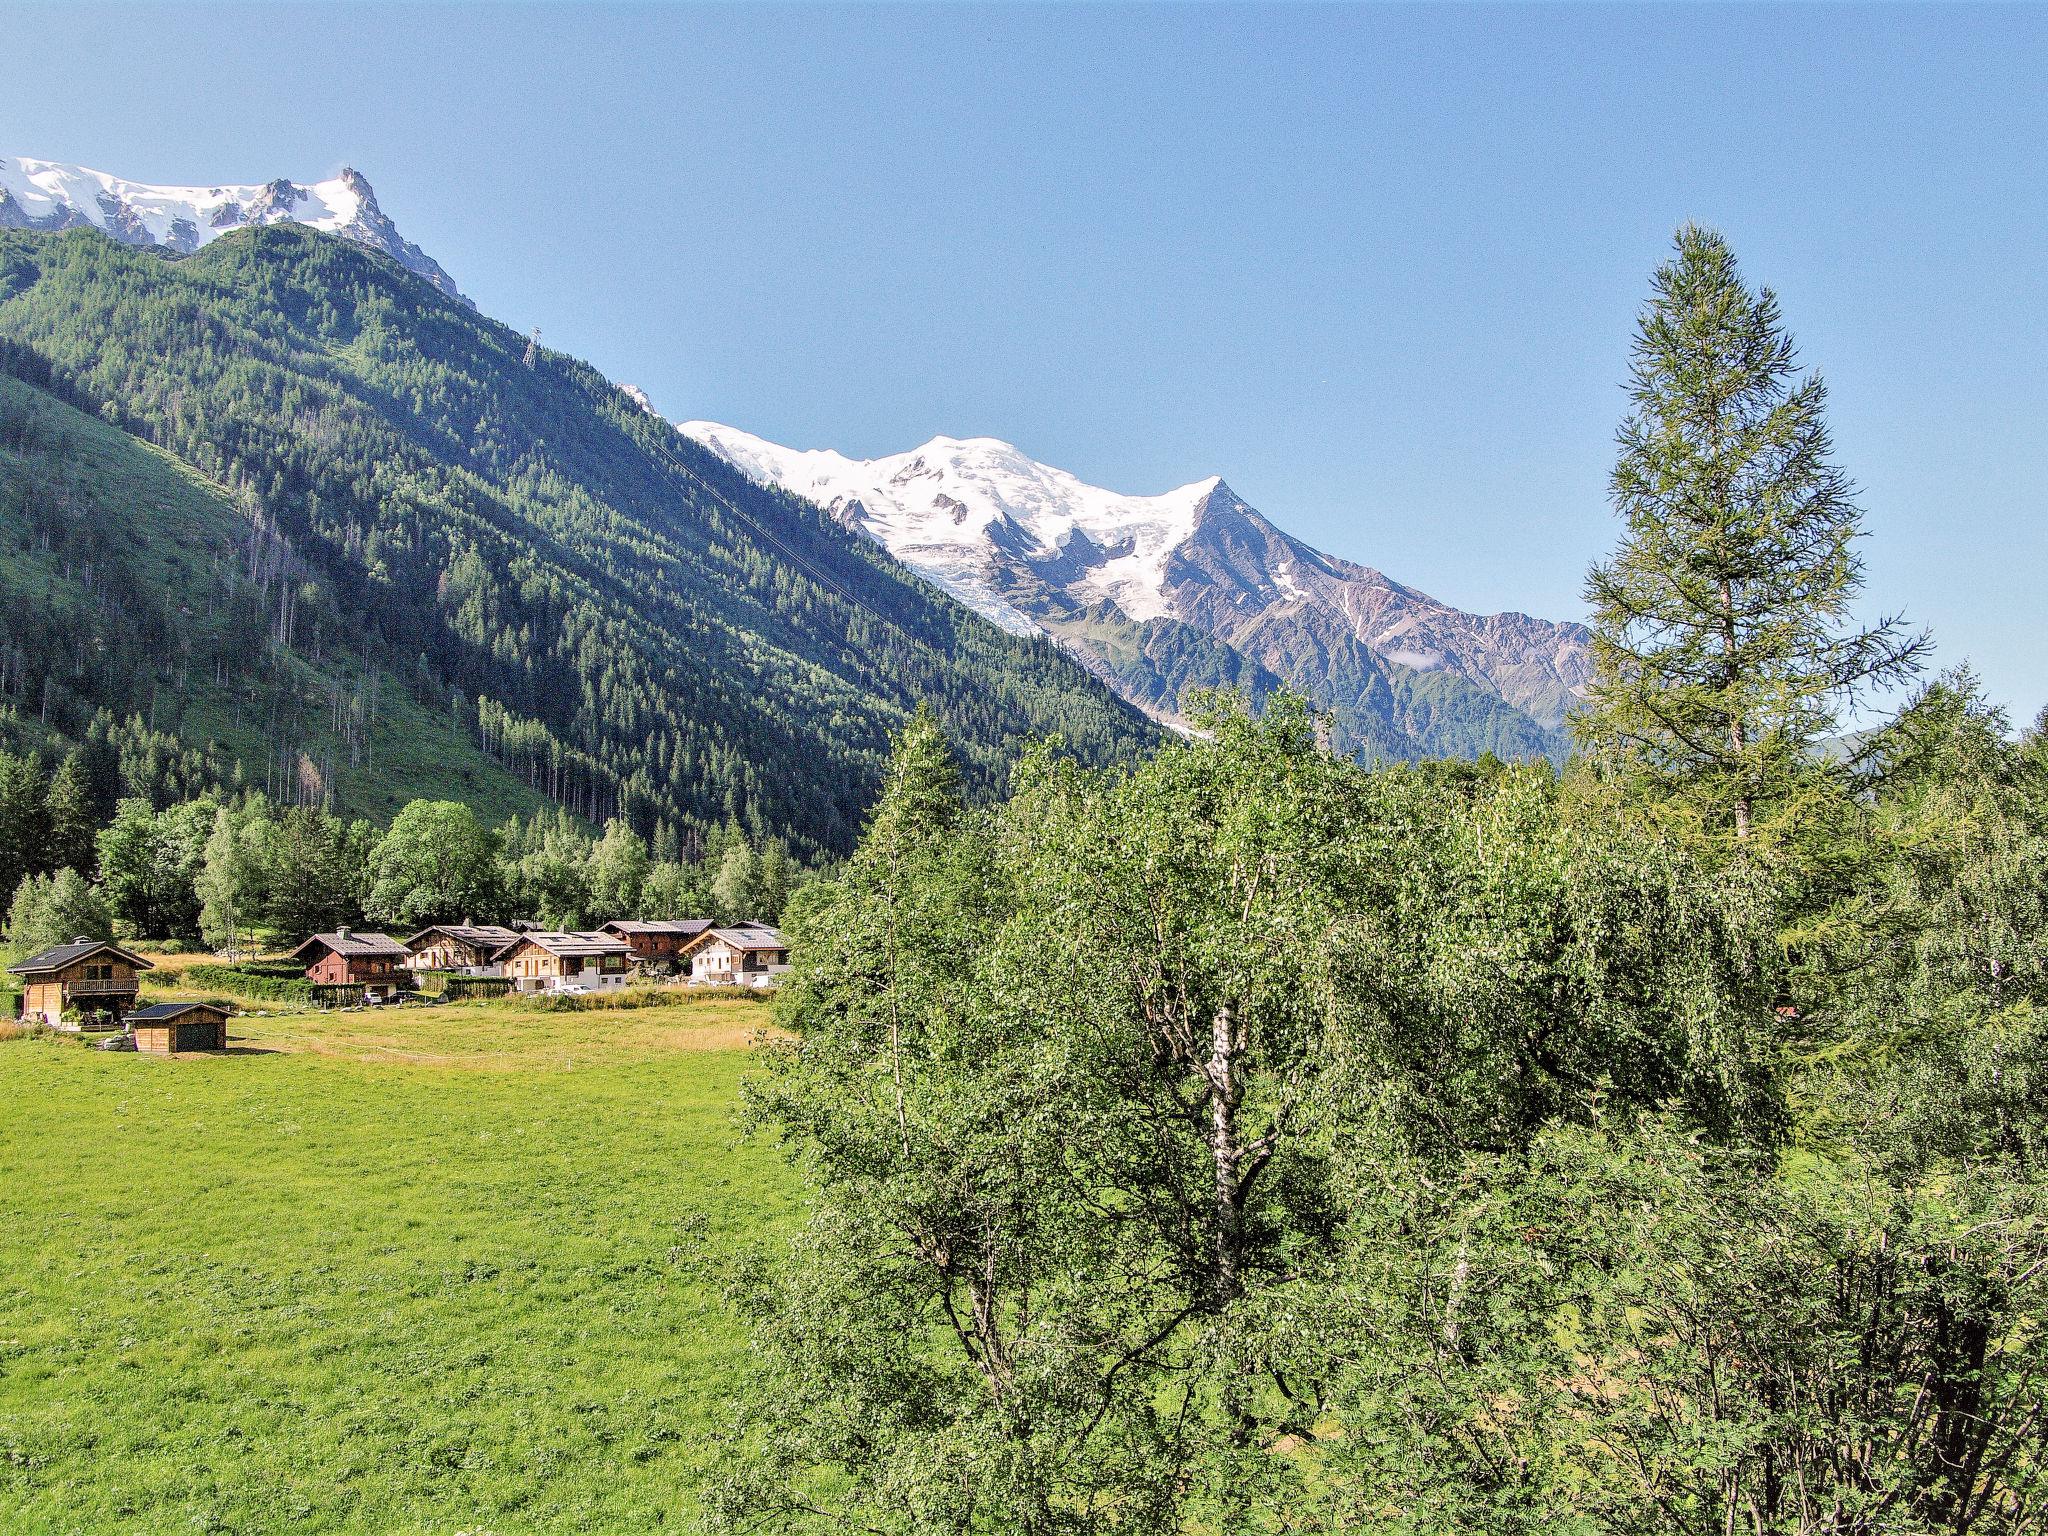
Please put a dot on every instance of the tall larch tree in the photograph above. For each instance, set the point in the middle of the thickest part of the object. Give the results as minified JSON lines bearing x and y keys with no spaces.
{"x":1723,"y":644}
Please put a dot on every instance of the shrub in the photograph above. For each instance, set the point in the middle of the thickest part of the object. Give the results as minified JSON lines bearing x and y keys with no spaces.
{"x":455,"y":988}
{"x":269,"y":981}
{"x":638,"y":997}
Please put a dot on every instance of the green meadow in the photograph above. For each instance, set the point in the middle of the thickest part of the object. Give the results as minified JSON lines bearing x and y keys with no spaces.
{"x":419,"y":1270}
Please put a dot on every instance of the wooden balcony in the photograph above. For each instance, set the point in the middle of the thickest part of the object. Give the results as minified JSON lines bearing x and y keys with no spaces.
{"x":101,"y":991}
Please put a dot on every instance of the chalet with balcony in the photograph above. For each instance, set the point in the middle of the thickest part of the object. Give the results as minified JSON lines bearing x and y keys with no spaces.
{"x":658,"y":946}
{"x":343,"y":962}
{"x":89,"y":981}
{"x":544,"y":961}
{"x":745,"y":955}
{"x":466,"y":949}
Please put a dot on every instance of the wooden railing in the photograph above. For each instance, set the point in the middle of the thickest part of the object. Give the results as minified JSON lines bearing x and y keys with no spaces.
{"x":102,"y":988}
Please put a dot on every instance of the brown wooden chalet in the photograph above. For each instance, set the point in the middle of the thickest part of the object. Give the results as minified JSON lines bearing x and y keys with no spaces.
{"x":545,"y":961}
{"x":374,"y":962}
{"x":658,"y":946}
{"x":90,"y":980}
{"x":164,"y":1029}
{"x":469,"y":949}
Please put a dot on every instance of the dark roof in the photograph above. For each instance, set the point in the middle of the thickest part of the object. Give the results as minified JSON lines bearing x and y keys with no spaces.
{"x":157,"y":1013}
{"x":354,"y":945}
{"x":61,"y":955}
{"x":685,"y":928}
{"x":482,"y":934}
{"x":574,"y":944}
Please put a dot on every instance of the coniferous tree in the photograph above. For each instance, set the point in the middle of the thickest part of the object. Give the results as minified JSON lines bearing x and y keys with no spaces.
{"x":315,"y":878}
{"x":778,"y":873}
{"x":672,"y":891}
{"x":68,"y":810}
{"x":1723,"y":646}
{"x":24,"y":825}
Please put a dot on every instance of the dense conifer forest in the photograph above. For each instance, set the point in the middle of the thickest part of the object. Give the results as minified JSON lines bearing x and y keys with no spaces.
{"x":341,"y":516}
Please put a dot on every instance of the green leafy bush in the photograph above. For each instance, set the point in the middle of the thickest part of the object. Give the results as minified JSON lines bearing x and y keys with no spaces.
{"x":271,"y":982}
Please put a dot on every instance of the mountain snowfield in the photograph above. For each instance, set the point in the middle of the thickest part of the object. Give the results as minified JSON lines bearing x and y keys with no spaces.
{"x":962,"y":512}
{"x":47,"y":195}
{"x":1193,"y":587}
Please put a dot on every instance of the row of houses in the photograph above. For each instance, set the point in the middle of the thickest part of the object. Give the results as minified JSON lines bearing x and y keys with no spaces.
{"x":100,"y":980}
{"x":692,"y":951}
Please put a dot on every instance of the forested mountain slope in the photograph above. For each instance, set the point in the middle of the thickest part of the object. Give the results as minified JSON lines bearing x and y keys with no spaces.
{"x":139,"y":615}
{"x":603,"y":611}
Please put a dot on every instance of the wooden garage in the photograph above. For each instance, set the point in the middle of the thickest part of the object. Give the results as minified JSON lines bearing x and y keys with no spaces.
{"x":164,"y":1029}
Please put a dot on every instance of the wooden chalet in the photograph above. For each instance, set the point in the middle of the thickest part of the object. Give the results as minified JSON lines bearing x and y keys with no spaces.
{"x":552,"y":961}
{"x":93,"y":980}
{"x":164,"y":1029}
{"x":745,"y":955}
{"x":658,"y":946}
{"x":467,"y":949}
{"x":345,"y":959}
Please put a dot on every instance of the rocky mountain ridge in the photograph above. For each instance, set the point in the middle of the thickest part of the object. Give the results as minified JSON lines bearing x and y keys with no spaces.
{"x":47,"y":195}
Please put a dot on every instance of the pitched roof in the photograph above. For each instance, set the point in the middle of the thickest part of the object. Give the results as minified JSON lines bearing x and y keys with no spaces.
{"x":354,"y":945}
{"x":748,"y":936}
{"x":685,"y":927}
{"x":576,"y":945}
{"x":484,"y":935}
{"x":58,"y":956}
{"x":157,"y":1013}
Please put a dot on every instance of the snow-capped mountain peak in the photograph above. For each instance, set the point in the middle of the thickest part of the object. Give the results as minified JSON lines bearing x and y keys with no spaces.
{"x":957,"y":508}
{"x":45,"y":194}
{"x":1190,"y":587}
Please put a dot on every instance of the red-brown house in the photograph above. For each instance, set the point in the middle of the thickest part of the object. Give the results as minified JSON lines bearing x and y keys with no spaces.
{"x":373,"y":961}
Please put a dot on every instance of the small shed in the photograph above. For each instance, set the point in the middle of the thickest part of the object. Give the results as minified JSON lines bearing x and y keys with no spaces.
{"x":164,"y":1029}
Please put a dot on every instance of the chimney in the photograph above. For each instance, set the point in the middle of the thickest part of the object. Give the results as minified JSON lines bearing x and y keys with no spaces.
{"x":342,"y":932}
{"x":81,"y":939}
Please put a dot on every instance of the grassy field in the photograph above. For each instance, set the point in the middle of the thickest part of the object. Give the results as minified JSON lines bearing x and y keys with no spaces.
{"x":402,"y":1270}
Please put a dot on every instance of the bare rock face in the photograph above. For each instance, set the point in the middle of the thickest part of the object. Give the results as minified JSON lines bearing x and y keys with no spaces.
{"x":1162,"y":595}
{"x":44,"y":195}
{"x":1273,"y":597}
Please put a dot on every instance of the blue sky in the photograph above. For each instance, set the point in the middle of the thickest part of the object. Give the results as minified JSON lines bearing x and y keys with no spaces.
{"x":1377,"y":267}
